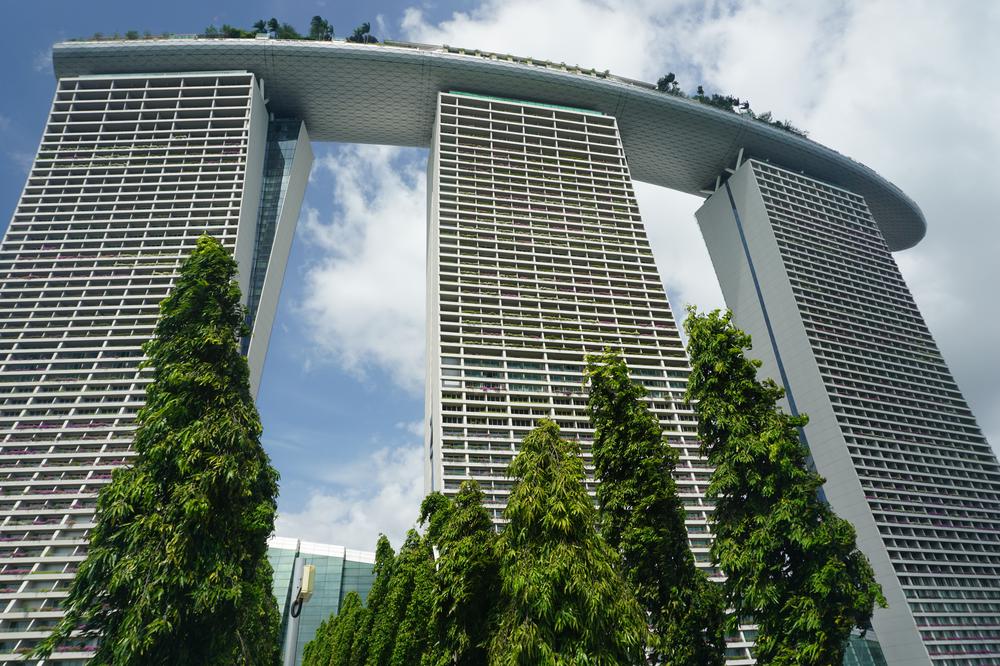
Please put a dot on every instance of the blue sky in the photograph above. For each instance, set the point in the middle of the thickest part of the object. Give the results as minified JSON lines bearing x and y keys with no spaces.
{"x":905,"y":87}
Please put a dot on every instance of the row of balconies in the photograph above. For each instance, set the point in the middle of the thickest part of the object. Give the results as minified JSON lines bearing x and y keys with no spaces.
{"x":466,"y":158}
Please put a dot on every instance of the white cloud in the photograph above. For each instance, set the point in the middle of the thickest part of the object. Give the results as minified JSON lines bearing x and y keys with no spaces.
{"x":42,"y":61}
{"x":679,"y":250}
{"x":892,"y":84}
{"x":415,"y":428}
{"x":899,"y":86}
{"x":902,"y":86}
{"x":631,"y":38}
{"x":376,"y":494}
{"x":364,"y":302}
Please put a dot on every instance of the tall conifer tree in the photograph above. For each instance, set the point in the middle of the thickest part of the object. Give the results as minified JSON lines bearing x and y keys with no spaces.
{"x":400,"y":627}
{"x":467,"y":586}
{"x":791,"y":563}
{"x":643,"y":519}
{"x":335,"y":637}
{"x":176,"y":571}
{"x":564,"y":602}
{"x":385,"y":561}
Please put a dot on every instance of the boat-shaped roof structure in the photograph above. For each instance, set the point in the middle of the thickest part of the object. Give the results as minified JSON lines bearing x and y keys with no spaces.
{"x":387,"y":93}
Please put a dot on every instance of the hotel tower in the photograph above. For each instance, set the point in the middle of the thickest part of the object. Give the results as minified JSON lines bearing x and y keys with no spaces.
{"x":536,"y":256}
{"x":131,"y":170}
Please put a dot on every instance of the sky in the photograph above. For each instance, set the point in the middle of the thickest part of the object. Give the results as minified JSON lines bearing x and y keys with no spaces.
{"x":908,"y":87}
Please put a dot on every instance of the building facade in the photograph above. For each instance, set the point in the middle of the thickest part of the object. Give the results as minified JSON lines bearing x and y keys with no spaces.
{"x":339,"y":571}
{"x":131,"y":170}
{"x":808,"y":274}
{"x":537,"y":256}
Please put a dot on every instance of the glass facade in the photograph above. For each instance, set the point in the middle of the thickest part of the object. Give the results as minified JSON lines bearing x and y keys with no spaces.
{"x":338,"y":571}
{"x":282,"y":140}
{"x":863,"y":651}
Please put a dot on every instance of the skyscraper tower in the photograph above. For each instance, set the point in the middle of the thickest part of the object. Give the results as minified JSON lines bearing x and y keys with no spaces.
{"x":808,"y":274}
{"x":130,"y":171}
{"x":537,"y":256}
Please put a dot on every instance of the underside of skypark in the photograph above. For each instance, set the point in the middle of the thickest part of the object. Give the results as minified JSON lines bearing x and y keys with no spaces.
{"x":536,"y":255}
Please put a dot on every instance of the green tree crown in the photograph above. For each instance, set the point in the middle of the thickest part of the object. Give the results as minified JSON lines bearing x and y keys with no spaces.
{"x":642,"y":517}
{"x":564,"y":602}
{"x":176,"y":571}
{"x":467,"y":592}
{"x":791,"y":562}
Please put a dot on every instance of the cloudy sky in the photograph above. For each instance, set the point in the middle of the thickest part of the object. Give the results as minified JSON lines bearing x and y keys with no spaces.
{"x":909,"y":88}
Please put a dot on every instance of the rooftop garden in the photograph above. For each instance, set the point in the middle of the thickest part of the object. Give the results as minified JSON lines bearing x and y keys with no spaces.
{"x":319,"y":30}
{"x":668,"y":84}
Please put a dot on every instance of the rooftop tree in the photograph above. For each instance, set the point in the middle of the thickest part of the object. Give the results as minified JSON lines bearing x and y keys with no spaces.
{"x":642,"y":517}
{"x":563,"y":600}
{"x":176,"y":571}
{"x":362,"y":34}
{"x":792,"y":563}
{"x":320,"y":29}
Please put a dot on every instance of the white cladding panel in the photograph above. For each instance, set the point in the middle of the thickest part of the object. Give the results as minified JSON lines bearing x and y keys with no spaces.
{"x":131,"y":170}
{"x":903,"y":457}
{"x":539,"y":257}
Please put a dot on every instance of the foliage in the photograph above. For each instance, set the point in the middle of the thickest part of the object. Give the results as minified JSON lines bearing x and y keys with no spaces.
{"x":362,"y":35}
{"x":413,"y":636}
{"x":399,"y":631}
{"x":643,"y":519}
{"x":284,"y":31}
{"x":792,"y":563}
{"x":467,"y":591}
{"x":385,"y":561}
{"x":564,"y":602}
{"x":177,"y":572}
{"x":320,"y":29}
{"x":668,"y":84}
{"x":335,"y":637}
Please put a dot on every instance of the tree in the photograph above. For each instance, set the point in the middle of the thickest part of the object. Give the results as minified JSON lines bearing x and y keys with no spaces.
{"x":177,"y":571}
{"x":669,"y":84}
{"x":385,"y":560}
{"x":413,"y":636}
{"x":362,"y":35}
{"x":287,"y":31}
{"x":791,"y":563}
{"x":467,"y":591}
{"x":260,"y":26}
{"x":564,"y":603}
{"x":320,"y":29}
{"x":643,"y":519}
{"x":398,"y":634}
{"x":335,"y":637}
{"x":273,"y":26}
